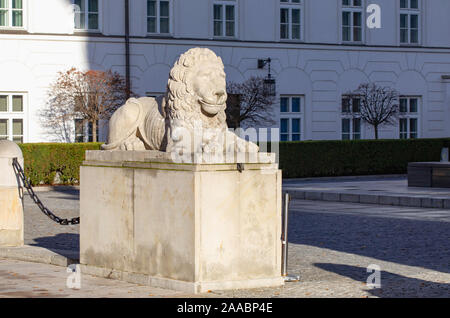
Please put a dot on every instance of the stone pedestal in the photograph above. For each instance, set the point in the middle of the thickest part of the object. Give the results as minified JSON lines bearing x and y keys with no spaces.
{"x":189,"y":227}
{"x":11,"y":207}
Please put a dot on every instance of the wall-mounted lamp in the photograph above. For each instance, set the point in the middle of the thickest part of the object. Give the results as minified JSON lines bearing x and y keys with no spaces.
{"x":269,"y":81}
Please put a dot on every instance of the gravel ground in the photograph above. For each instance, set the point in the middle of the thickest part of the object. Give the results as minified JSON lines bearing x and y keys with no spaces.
{"x":330,"y":246}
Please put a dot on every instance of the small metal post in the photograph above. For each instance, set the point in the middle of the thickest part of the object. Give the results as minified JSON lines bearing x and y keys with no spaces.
{"x":284,"y":240}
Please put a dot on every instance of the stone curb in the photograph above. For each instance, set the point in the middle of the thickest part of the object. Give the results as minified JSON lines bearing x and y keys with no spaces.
{"x":36,"y":254}
{"x":395,"y":200}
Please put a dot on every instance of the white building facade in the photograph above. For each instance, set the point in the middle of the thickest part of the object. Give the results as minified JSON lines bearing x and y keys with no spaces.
{"x":319,"y":50}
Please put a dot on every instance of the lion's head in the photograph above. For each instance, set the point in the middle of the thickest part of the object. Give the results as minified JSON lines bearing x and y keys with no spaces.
{"x":197,"y":89}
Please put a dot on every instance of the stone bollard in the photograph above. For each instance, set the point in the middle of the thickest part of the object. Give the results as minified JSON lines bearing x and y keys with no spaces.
{"x":11,"y":205}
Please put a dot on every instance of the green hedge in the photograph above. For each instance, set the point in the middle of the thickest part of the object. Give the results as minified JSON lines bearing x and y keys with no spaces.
{"x":297,"y":159}
{"x":43,"y":161}
{"x":359,"y":157}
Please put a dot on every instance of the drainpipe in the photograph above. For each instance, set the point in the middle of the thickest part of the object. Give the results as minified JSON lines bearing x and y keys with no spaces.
{"x":127,"y":47}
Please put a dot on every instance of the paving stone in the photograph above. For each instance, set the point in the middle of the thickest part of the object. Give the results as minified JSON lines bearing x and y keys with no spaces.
{"x":330,"y":246}
{"x":346,"y":197}
{"x":389,"y":200}
{"x":369,"y":199}
{"x":313,"y":195}
{"x":410,"y":201}
{"x":329,"y":196}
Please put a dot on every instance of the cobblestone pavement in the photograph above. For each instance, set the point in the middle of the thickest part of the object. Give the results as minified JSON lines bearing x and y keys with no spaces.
{"x":331,"y":245}
{"x":41,"y":231}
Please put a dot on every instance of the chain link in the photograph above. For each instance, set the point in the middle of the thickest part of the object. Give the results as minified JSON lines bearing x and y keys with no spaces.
{"x":26,"y":183}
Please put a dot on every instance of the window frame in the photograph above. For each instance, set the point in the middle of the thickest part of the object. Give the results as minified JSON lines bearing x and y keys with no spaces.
{"x":351,"y":115}
{"x":224,"y":4}
{"x":290,"y":116}
{"x":288,"y":4}
{"x":158,"y":18}
{"x":86,"y":12}
{"x":410,"y":12}
{"x":10,"y":10}
{"x":352,"y":9}
{"x":11,"y":115}
{"x":408,"y":115}
{"x":86,"y":130}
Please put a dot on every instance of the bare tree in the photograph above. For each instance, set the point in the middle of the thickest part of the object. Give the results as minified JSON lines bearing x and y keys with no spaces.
{"x":378,"y":105}
{"x":249,"y":103}
{"x":90,"y":96}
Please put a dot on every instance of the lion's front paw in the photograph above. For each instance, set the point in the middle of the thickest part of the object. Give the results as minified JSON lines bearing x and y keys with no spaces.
{"x":132,"y":143}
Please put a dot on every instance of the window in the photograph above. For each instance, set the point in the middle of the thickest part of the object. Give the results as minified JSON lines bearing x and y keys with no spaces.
{"x":291,"y":111}
{"x":409,"y":21}
{"x":158,"y":17}
{"x":83,"y":131}
{"x":409,"y":117}
{"x":12,"y":117}
{"x":291,"y":19}
{"x":352,"y":24}
{"x":11,"y":13}
{"x":87,"y":14}
{"x":351,"y":121}
{"x":225,"y":18}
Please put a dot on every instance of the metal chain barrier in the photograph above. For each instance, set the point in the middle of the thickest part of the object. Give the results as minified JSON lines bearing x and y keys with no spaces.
{"x":26,"y":183}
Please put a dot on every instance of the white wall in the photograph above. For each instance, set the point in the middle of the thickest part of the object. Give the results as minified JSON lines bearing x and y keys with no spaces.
{"x":320,"y":72}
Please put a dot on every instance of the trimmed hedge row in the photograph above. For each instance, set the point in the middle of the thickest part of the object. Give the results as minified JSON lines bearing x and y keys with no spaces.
{"x":358,"y":157}
{"x":45,"y":161}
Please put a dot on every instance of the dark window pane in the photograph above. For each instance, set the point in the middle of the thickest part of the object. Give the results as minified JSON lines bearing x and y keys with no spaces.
{"x":151,"y":8}
{"x":151,"y":25}
{"x":93,"y":21}
{"x":345,"y":125}
{"x":217,"y":28}
{"x":164,"y":8}
{"x":295,"y":105}
{"x":403,"y":20}
{"x":284,"y":126}
{"x":17,"y":127}
{"x":93,"y":6}
{"x":345,"y":105}
{"x":17,"y":4}
{"x":403,"y":105}
{"x":229,"y":13}
{"x":296,"y":126}
{"x":296,"y":32}
{"x":284,"y":104}
{"x":164,"y":27}
{"x":229,"y":29}
{"x":296,"y":16}
{"x":414,"y":4}
{"x":3,"y":127}
{"x":217,"y":12}
{"x":3,"y":103}
{"x":284,"y":15}
{"x":413,"y":105}
{"x":17,"y":102}
{"x":17,"y":20}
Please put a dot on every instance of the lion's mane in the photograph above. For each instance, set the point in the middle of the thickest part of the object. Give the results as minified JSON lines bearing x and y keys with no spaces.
{"x":182,"y":104}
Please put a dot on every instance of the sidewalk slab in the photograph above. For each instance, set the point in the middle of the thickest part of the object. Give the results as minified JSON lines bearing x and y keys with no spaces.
{"x":383,"y":190}
{"x":41,"y":255}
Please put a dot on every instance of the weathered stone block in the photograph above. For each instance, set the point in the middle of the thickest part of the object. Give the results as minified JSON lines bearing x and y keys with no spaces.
{"x":194,"y":227}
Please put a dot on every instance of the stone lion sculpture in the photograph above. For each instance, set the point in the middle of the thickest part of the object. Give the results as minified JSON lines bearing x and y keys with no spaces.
{"x":189,"y":118}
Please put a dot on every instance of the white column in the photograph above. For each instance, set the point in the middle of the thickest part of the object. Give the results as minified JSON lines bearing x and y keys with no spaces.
{"x":11,"y":205}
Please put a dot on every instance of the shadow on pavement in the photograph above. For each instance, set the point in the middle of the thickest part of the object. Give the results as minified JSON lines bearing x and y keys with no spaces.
{"x":412,"y":242}
{"x":392,"y":285}
{"x":65,"y":244}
